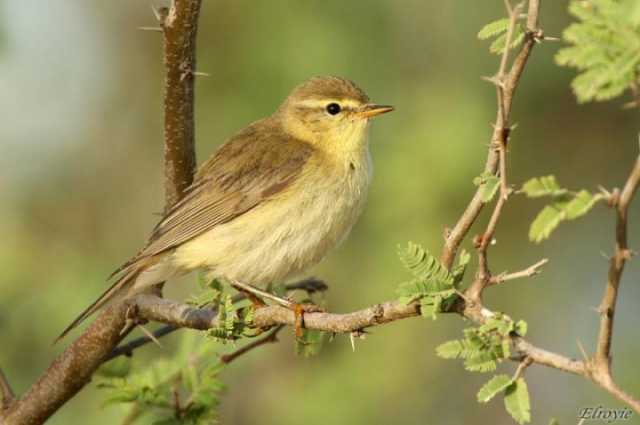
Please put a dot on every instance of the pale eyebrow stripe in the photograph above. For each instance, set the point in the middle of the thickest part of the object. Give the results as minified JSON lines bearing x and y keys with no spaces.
{"x":321,"y":103}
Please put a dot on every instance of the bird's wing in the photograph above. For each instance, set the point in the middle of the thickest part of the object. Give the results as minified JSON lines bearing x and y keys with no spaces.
{"x":250,"y":168}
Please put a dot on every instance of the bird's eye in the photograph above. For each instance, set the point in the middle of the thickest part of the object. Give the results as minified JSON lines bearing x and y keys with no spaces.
{"x":333,"y":108}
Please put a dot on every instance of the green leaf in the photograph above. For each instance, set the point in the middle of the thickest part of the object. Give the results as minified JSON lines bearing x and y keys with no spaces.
{"x":521,"y":327}
{"x":488,"y":184}
{"x":581,"y":204}
{"x":554,"y":421}
{"x":429,"y":306}
{"x":484,"y":361}
{"x":450,"y":349}
{"x":566,"y":207}
{"x":415,"y":289}
{"x":458,"y":271}
{"x":495,"y":385}
{"x":422,"y":264}
{"x":434,"y":285}
{"x":516,"y":401}
{"x":497,"y":47}
{"x":494,"y":28}
{"x":543,"y":186}
{"x":545,"y":223}
{"x":604,"y":46}
{"x":505,"y":348}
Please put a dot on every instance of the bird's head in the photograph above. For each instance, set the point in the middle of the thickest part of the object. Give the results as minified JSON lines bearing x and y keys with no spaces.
{"x":330,"y":112}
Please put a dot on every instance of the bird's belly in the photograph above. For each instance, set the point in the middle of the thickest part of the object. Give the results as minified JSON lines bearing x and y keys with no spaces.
{"x":282,"y":237}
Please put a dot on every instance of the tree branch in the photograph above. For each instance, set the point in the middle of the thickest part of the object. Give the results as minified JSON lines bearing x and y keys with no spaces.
{"x":602,"y":362}
{"x":73,"y":368}
{"x":528,"y":272}
{"x":180,"y":27}
{"x":150,"y":307}
{"x":70,"y":371}
{"x":310,"y":286}
{"x":510,"y":82}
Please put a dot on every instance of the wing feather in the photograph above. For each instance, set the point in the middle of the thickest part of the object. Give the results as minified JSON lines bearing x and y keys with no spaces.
{"x":252,"y":167}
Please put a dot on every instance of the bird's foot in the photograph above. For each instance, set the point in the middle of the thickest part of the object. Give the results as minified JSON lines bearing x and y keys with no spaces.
{"x":299,"y":310}
{"x":257,"y":295}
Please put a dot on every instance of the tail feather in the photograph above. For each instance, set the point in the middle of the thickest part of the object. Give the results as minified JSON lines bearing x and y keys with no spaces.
{"x":114,"y":290}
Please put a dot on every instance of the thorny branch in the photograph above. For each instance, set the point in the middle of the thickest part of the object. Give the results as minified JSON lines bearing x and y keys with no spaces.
{"x":180,"y":27}
{"x":501,"y":133}
{"x":309,"y":285}
{"x":600,"y":366}
{"x":150,"y":307}
{"x":528,"y":272}
{"x":72,"y":369}
{"x":508,"y":85}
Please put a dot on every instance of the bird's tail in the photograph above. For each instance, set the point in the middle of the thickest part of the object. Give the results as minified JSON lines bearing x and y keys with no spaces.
{"x":118,"y":288}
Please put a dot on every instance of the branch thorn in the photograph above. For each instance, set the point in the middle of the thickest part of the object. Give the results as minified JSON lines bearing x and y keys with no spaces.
{"x":153,"y":29}
{"x":160,"y":13}
{"x":585,"y":356}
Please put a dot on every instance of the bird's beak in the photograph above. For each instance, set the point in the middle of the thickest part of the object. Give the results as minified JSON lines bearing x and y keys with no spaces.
{"x":371,"y":110}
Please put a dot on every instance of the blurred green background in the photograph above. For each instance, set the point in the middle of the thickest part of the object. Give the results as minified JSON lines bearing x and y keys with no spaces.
{"x":81,"y":178}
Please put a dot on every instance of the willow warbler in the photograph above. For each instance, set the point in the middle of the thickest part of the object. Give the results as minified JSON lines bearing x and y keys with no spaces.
{"x":269,"y":203}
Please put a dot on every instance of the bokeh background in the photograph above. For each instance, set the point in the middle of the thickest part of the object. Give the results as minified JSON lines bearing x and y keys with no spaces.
{"x":81,"y":179}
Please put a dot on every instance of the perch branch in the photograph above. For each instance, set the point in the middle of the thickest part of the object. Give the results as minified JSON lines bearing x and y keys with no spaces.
{"x":309,"y":285}
{"x":151,"y":307}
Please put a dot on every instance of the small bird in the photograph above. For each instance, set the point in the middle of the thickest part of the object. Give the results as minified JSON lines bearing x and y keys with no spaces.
{"x":270,"y":202}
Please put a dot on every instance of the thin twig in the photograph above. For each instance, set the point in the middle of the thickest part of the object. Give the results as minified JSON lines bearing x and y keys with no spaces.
{"x":271,"y":337}
{"x":127,"y":349}
{"x":522,"y":366}
{"x":501,"y":132}
{"x":616,"y":267}
{"x":528,"y":272}
{"x":458,"y":233}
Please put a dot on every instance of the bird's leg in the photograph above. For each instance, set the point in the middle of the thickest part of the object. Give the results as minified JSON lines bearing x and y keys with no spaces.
{"x":254,"y":293}
{"x":298,"y":309}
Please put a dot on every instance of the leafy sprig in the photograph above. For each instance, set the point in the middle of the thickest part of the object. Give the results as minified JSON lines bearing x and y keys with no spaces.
{"x":604,"y":47}
{"x":434,"y":286}
{"x":565,"y":205}
{"x":498,"y":30}
{"x":183,"y":389}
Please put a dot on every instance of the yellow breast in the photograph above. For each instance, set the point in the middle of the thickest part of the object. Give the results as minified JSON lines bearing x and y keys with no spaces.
{"x":293,"y":231}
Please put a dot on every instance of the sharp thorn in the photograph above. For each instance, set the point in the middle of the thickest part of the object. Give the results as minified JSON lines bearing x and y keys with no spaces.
{"x":150,"y":335}
{"x":156,"y":13}
{"x":154,"y":29}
